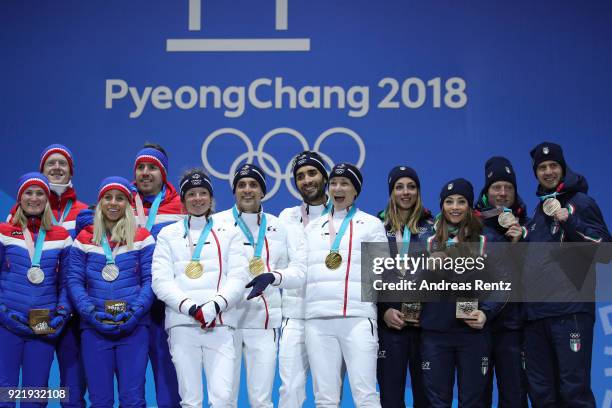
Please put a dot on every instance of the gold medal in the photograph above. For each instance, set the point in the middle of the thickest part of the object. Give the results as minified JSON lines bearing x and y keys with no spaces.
{"x":550,"y":206}
{"x":506,"y":219}
{"x":256,"y":266}
{"x":333,"y":260}
{"x":194,"y":270}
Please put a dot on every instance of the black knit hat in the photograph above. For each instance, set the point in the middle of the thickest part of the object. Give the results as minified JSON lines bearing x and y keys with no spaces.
{"x":398,"y":172}
{"x":309,"y":158}
{"x":192,"y":179}
{"x":458,"y":186}
{"x":499,"y":168}
{"x":350,"y":172}
{"x":547,"y":151}
{"x":252,"y":171}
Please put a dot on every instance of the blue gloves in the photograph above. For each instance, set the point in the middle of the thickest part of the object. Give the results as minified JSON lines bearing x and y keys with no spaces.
{"x":95,"y":319}
{"x":84,"y":218}
{"x":15,"y":322}
{"x":259,"y":284}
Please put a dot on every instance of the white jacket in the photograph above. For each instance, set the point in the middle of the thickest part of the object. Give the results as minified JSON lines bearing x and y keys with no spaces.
{"x":294,"y":304}
{"x":283,"y":253}
{"x":337,"y":293}
{"x":225,"y":271}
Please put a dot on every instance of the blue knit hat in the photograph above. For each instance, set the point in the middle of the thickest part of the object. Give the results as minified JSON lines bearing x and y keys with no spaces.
{"x":32,"y":179}
{"x":193,"y":179}
{"x":398,"y":172}
{"x":499,"y":168}
{"x":154,"y":156}
{"x":350,"y":172}
{"x":252,"y":171}
{"x":458,"y":186}
{"x":57,"y":148}
{"x":309,"y":158}
{"x":116,"y":183}
{"x":547,"y":151}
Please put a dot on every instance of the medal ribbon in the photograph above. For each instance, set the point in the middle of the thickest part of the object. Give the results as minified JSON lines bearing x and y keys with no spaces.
{"x":34,"y":252}
{"x":547,"y":196}
{"x":405,"y":242}
{"x":64,"y":214}
{"x":110,"y":255}
{"x":152,"y":211}
{"x":258,"y":247}
{"x":335,"y":239}
{"x":195,"y":253}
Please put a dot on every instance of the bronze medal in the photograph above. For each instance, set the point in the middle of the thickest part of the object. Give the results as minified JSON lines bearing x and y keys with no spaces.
{"x":36,"y":275}
{"x":110,"y":272}
{"x":333,"y":260}
{"x":256,"y":266}
{"x":506,"y":219}
{"x":550,"y":206}
{"x":194,"y":270}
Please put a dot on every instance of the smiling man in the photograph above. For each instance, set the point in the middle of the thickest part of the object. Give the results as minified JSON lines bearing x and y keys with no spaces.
{"x":57,"y":163}
{"x":277,"y":256}
{"x":559,"y":335}
{"x":157,"y":205}
{"x":310,"y":178}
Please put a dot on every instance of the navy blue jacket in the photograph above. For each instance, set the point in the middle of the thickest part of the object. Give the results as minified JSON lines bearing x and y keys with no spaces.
{"x":511,"y":315}
{"x":425,"y":227}
{"x":543,"y":270}
{"x":440,"y":316}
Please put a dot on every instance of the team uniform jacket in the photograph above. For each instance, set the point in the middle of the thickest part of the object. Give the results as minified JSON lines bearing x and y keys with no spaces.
{"x":440,"y":316}
{"x":585,"y":224}
{"x":225,"y":271}
{"x":17,"y":293}
{"x":510,"y":316}
{"x":88,"y":290}
{"x":170,"y":209}
{"x":294,"y":306}
{"x":284,"y":254}
{"x":58,"y":204}
{"x":337,"y":293}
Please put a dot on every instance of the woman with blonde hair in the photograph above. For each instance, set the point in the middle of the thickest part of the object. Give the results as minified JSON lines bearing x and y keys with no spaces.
{"x":110,"y":285}
{"x":406,"y":222}
{"x":33,"y":302}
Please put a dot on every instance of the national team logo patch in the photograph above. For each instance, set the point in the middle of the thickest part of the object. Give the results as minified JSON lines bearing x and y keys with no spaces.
{"x":545,"y":150}
{"x":575,"y":342}
{"x":425,"y":365}
{"x":484,"y":365}
{"x":382,"y":353}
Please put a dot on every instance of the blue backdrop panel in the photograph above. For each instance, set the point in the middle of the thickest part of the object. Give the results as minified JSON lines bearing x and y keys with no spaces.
{"x":438,"y":85}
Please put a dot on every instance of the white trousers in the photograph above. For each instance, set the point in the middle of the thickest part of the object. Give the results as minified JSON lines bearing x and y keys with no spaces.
{"x":329,"y":341}
{"x":193,"y":349}
{"x":292,"y":363}
{"x":258,"y":346}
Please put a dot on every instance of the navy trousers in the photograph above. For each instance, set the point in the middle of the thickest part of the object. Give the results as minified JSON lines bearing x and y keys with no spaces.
{"x":464,"y":353}
{"x":507,"y":361}
{"x":558,"y":360}
{"x":399,"y":351}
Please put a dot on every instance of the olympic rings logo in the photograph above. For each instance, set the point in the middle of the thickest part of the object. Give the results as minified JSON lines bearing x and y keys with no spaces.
{"x":278,"y":173}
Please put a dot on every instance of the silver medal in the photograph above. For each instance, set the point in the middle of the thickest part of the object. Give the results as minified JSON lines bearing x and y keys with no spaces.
{"x":110,"y":272}
{"x":36,"y":275}
{"x":506,"y":219}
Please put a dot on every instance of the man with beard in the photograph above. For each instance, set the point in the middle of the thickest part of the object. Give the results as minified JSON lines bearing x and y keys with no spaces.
{"x":157,"y":205}
{"x":310,"y":179}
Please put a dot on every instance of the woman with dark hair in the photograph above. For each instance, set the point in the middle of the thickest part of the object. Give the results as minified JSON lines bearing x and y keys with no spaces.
{"x":455,"y":339}
{"x":33,"y":303}
{"x":406,"y":223}
{"x":199,"y":271}
{"x":110,"y":285}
